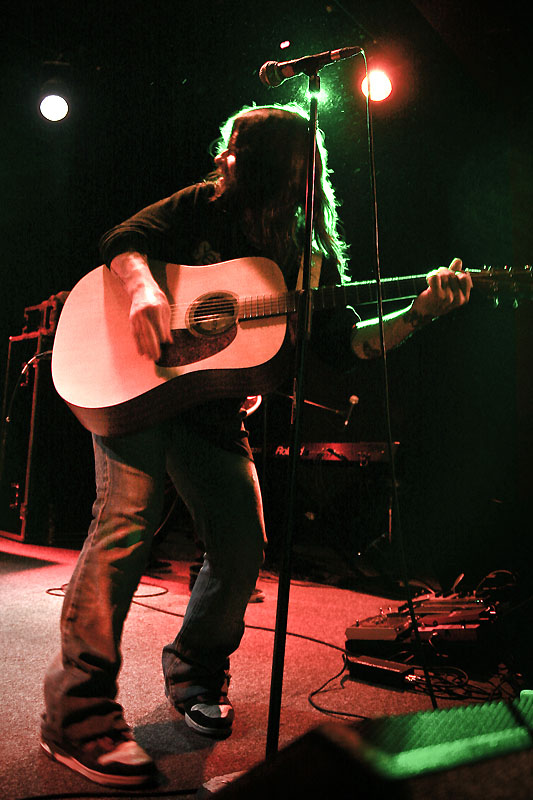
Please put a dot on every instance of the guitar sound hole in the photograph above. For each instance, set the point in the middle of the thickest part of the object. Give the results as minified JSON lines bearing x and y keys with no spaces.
{"x":212,"y":314}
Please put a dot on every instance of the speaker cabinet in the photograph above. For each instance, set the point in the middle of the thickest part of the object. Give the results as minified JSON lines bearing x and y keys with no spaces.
{"x":47,"y":470}
{"x":341,"y":507}
{"x":466,"y":752}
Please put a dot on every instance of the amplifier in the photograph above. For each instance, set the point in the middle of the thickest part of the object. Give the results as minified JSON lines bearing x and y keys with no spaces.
{"x":46,"y":461}
{"x":361,"y":453}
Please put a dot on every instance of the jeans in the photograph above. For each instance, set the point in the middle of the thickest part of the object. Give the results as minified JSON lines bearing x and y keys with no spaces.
{"x":221,"y":491}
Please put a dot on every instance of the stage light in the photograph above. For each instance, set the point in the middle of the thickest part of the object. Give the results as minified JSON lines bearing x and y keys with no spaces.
{"x":380,"y":85}
{"x":284,"y":45}
{"x":54,"y":94}
{"x":53,"y":103}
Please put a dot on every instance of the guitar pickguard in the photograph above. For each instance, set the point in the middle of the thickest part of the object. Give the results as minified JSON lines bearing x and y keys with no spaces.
{"x":189,"y":349}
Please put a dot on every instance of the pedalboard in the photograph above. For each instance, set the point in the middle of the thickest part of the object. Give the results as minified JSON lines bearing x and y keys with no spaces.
{"x":439,"y":620}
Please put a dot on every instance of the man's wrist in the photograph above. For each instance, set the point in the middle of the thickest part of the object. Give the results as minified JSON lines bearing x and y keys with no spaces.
{"x":417,"y":319}
{"x":134,"y":272}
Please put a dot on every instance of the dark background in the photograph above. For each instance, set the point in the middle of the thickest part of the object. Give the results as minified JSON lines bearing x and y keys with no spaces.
{"x":152,"y":81}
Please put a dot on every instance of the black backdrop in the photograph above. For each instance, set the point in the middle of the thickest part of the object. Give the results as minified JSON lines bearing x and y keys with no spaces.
{"x":150,"y":84}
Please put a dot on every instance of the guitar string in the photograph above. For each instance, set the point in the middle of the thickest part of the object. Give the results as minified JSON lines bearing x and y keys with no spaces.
{"x":254,"y":306}
{"x":282,"y":303}
{"x":354,"y":286}
{"x":251,"y":306}
{"x":481,"y":275}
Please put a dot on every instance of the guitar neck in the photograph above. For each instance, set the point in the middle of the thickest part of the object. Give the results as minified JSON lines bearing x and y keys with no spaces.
{"x":357,"y":293}
{"x":505,"y":282}
{"x":360,"y":293}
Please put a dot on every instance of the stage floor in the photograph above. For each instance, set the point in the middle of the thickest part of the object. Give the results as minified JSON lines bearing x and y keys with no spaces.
{"x":31,"y":592}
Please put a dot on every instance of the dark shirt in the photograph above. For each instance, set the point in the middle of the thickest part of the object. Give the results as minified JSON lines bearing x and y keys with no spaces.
{"x":186,"y":228}
{"x":189,"y":227}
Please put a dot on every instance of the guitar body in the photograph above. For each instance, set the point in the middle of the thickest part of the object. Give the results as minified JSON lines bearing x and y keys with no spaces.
{"x":113,"y":390}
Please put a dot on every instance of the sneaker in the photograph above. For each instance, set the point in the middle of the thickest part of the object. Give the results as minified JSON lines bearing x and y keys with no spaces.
{"x":257,"y":596}
{"x":109,"y":761}
{"x":208,"y":714}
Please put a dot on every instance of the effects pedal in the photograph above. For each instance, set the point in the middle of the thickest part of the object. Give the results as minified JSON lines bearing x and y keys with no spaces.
{"x":378,"y":670}
{"x":383,"y":627}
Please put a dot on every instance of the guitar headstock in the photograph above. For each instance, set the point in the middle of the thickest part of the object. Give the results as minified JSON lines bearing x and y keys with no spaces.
{"x":507,"y":284}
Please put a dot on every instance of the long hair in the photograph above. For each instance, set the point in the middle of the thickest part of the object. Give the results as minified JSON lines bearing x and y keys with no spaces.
{"x":270,"y":144}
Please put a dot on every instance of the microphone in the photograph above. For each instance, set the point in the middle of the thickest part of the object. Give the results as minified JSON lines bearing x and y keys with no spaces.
{"x":274,"y":73}
{"x":353,"y":400}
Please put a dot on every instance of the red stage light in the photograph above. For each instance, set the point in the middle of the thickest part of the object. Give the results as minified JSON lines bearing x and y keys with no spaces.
{"x":380,"y":85}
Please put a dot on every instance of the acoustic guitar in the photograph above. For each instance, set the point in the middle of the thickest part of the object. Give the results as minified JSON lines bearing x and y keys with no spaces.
{"x":231,"y":337}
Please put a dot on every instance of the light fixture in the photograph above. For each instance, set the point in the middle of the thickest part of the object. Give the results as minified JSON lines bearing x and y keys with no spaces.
{"x":54,"y":95}
{"x":380,"y":85}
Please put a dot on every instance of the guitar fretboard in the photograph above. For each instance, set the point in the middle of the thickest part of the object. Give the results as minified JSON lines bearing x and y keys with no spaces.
{"x":357,"y":294}
{"x":510,"y":283}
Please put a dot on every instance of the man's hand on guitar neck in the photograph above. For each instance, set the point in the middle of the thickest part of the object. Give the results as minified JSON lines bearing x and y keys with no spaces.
{"x":448,"y":288}
{"x":150,"y":310}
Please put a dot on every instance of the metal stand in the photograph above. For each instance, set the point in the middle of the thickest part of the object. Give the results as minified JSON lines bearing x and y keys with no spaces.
{"x":303,"y":334}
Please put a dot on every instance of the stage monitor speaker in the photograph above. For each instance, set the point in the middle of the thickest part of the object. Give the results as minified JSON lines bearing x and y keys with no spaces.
{"x":474,"y":752}
{"x":46,"y":460}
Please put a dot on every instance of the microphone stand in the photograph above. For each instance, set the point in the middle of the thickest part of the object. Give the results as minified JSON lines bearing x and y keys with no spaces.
{"x":302,"y":338}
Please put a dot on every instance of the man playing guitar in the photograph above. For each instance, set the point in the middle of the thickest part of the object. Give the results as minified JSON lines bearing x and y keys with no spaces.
{"x":250,"y":207}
